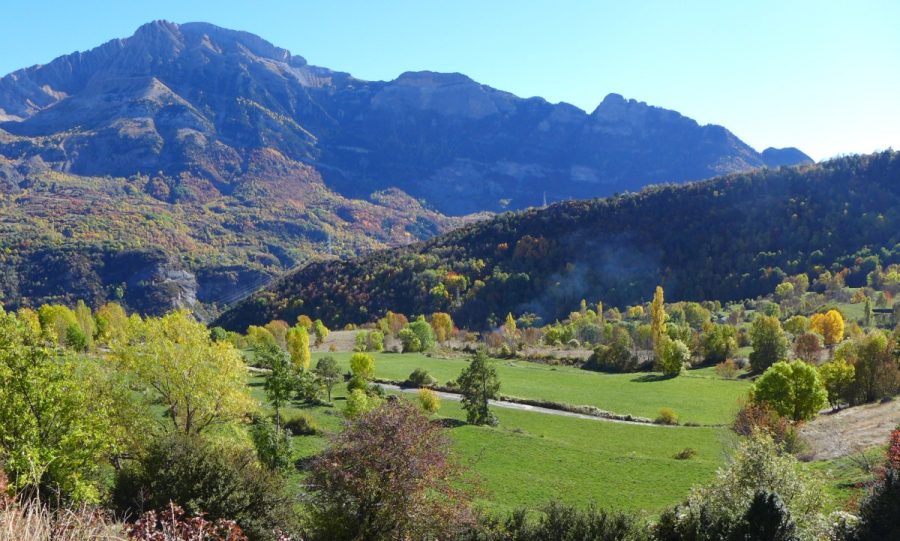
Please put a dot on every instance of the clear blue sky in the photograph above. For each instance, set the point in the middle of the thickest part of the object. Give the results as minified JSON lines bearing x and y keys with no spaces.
{"x":820,"y":75}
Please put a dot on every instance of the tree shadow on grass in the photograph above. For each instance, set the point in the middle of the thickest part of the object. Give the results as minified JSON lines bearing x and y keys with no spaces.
{"x":647,"y":378}
{"x":449,"y":423}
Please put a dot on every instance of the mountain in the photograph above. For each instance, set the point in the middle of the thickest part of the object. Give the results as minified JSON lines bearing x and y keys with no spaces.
{"x":225,"y":156}
{"x":729,"y":238}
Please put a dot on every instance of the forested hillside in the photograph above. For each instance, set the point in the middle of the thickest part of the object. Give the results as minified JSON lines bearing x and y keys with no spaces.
{"x":728,"y":238}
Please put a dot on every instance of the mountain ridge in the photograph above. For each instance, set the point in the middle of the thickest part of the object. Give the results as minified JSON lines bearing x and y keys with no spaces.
{"x":228,"y":152}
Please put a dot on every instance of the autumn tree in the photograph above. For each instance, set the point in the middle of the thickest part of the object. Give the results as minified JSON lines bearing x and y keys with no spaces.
{"x":429,"y":400}
{"x":298,"y":347}
{"x":830,"y":325}
{"x":673,"y":356}
{"x":390,"y":475}
{"x":717,"y":342}
{"x":86,"y":322}
{"x":320,"y":331}
{"x":442,"y":324}
{"x":112,"y":323}
{"x":808,"y":346}
{"x":173,"y":361}
{"x":478,"y":384}
{"x":769,"y":343}
{"x":279,"y":330}
{"x":658,"y":322}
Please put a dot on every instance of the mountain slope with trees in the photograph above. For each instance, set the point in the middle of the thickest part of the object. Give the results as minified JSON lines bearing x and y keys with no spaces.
{"x":729,"y":238}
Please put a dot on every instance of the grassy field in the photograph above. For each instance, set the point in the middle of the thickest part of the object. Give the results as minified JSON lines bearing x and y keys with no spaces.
{"x":698,"y":396}
{"x":531,"y":458}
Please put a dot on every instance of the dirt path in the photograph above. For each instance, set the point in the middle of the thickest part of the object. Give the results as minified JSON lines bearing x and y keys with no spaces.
{"x":843,"y":433}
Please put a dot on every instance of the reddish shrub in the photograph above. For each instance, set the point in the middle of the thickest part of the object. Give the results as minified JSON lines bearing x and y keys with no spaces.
{"x":173,"y":524}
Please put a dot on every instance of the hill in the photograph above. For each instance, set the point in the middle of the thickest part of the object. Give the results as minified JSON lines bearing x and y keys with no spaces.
{"x":728,"y":238}
{"x":231,"y":160}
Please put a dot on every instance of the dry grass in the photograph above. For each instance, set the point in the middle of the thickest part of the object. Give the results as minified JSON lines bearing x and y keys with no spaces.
{"x":851,"y":430}
{"x":28,"y":520}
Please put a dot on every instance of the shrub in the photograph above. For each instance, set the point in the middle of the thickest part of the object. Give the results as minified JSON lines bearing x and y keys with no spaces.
{"x":667,"y":416}
{"x":203,"y":477}
{"x":727,"y":369}
{"x":301,"y":425}
{"x":173,"y":524}
{"x":615,"y":357}
{"x":564,"y":523}
{"x":686,"y":454}
{"x":429,"y":400}
{"x":420,"y":378}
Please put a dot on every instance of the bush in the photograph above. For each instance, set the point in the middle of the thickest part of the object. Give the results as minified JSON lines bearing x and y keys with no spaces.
{"x":615,"y":357}
{"x":203,"y":477}
{"x":667,"y":416}
{"x":172,"y":523}
{"x":301,"y":425}
{"x":429,"y":400}
{"x":420,"y":378}
{"x":686,"y":454}
{"x":563,"y":523}
{"x":727,"y":369}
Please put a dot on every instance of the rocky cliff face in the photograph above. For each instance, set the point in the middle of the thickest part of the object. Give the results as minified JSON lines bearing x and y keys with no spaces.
{"x":195,"y":99}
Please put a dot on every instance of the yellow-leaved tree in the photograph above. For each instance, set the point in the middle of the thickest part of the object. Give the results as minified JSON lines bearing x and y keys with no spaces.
{"x":830,"y":325}
{"x":658,"y":322}
{"x":442,"y":324}
{"x":298,"y":347}
{"x":201,"y":383}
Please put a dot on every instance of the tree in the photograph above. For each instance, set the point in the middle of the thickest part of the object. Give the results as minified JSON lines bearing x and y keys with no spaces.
{"x":280,"y":381}
{"x":768,"y":341}
{"x":658,"y":322}
{"x":767,"y":519}
{"x":510,"y":329}
{"x":792,"y":389}
{"x":429,"y":400}
{"x":830,"y":325}
{"x":55,"y":321}
{"x":796,"y":325}
{"x":390,"y":475}
{"x":201,"y":383}
{"x":478,"y":384}
{"x":298,"y":346}
{"x":359,"y":403}
{"x":718,"y":342}
{"x":56,"y":418}
{"x":673,"y":356}
{"x":868,"y":313}
{"x":837,"y":376}
{"x":273,"y":444}
{"x":807,"y":347}
{"x":362,"y":365}
{"x":321,"y":331}
{"x":279,"y":330}
{"x":259,"y":336}
{"x":86,"y":324}
{"x":879,"y":510}
{"x":329,"y":373}
{"x":424,"y":333}
{"x":409,"y":340}
{"x":442,"y":324}
{"x":304,"y":321}
{"x":877,"y":370}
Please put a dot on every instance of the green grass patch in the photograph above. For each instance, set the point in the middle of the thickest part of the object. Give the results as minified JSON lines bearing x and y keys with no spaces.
{"x":698,"y":396}
{"x":533,"y":458}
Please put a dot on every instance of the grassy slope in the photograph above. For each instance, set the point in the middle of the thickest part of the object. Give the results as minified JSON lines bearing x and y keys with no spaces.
{"x":533,"y":458}
{"x":698,"y":396}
